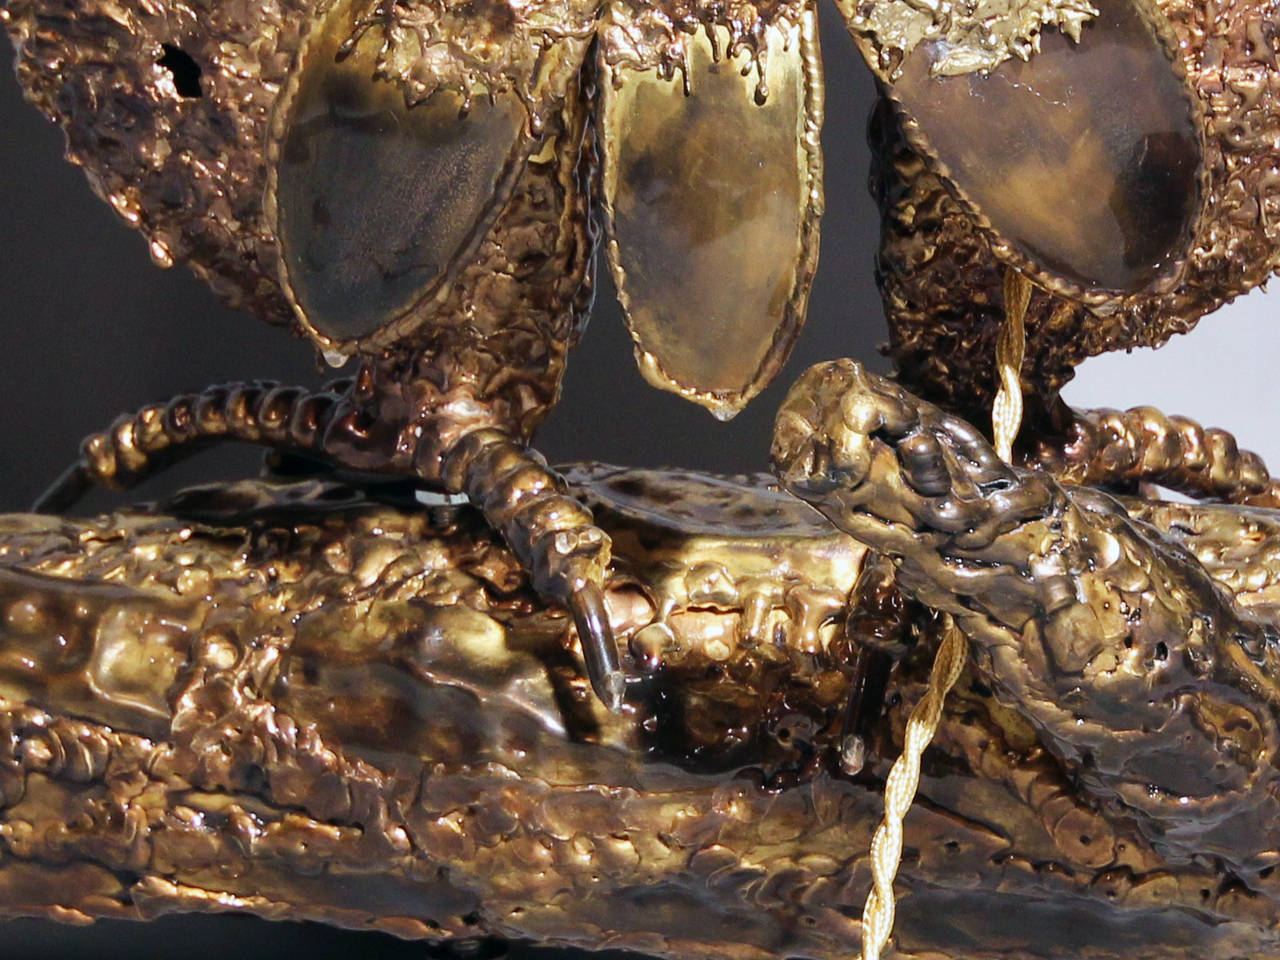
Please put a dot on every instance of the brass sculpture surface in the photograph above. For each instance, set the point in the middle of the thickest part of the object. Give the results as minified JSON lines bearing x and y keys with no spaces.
{"x":304,"y":701}
{"x":941,"y":278}
{"x":412,"y":184}
{"x":297,"y":701}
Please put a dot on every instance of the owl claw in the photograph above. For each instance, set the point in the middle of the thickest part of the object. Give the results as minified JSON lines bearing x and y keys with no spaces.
{"x":869,"y":680}
{"x":566,"y":555}
{"x":599,"y":649}
{"x":65,"y":492}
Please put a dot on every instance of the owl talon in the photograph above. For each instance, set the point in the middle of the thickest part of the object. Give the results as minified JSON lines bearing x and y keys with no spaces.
{"x":599,"y":649}
{"x":878,"y":635}
{"x":554,"y":536}
{"x":870,"y":680}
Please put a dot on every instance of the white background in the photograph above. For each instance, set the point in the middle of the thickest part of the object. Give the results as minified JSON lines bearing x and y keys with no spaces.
{"x":1224,"y":373}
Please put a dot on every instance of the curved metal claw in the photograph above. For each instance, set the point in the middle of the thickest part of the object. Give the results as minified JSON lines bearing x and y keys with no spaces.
{"x":65,"y":492}
{"x":553,"y":534}
{"x":869,"y":681}
{"x":599,"y":649}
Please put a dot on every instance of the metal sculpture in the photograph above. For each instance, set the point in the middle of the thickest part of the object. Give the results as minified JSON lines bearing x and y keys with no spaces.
{"x":410,"y":183}
{"x":299,"y":702}
{"x":294,"y":692}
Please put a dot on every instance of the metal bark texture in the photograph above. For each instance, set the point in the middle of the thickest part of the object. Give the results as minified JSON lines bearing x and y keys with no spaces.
{"x":298,"y":701}
{"x":417,"y":680}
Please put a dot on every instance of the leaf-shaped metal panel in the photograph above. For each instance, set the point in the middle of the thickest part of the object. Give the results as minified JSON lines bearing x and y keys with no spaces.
{"x":1083,"y":164}
{"x":713,"y":196}
{"x":377,"y":202}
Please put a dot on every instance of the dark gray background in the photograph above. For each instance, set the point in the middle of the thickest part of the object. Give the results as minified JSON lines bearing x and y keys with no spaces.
{"x":91,"y":328}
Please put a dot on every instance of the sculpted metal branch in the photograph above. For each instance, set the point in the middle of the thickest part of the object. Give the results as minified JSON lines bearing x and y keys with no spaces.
{"x":304,"y":702}
{"x":413,"y":184}
{"x":1150,"y":676}
{"x":299,"y":702}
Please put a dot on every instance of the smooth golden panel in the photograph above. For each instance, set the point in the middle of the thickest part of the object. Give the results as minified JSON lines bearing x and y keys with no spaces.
{"x":712,"y":201}
{"x":377,"y":201}
{"x":1086,"y":159}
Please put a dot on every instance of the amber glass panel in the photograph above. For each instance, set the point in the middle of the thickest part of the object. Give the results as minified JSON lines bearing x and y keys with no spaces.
{"x":1085,"y":158}
{"x":377,"y":200}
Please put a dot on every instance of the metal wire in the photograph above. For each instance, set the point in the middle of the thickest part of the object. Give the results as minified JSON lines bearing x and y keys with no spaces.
{"x":1011,"y":345}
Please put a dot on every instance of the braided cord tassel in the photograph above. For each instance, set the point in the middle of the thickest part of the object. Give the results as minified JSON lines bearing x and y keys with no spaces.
{"x":904,"y":777}
{"x":900,"y":791}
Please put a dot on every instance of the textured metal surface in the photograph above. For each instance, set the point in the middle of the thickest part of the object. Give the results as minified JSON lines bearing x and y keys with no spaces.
{"x":1052,"y":125}
{"x":325,"y":707}
{"x":190,"y":167}
{"x":1124,"y":450}
{"x":185,"y":139}
{"x":1137,"y":665}
{"x":299,"y":702}
{"x":478,"y":362}
{"x":192,"y":173}
{"x":974,"y":36}
{"x":941,"y":281}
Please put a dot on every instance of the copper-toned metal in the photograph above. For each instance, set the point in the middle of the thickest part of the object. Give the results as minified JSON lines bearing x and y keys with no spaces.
{"x":195,"y":169}
{"x":1124,"y":450}
{"x":301,"y":702}
{"x":200,"y":169}
{"x":466,"y":369}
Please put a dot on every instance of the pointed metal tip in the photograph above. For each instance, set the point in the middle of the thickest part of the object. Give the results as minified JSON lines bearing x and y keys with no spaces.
{"x":611,"y":689}
{"x":853,"y":754}
{"x":599,"y":649}
{"x":65,"y":492}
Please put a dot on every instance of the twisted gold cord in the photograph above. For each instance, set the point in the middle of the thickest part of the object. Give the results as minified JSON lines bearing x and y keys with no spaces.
{"x":904,"y":777}
{"x":1006,"y":412}
{"x":900,"y":791}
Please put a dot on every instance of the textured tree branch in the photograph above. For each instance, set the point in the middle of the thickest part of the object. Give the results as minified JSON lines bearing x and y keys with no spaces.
{"x":298,"y":702}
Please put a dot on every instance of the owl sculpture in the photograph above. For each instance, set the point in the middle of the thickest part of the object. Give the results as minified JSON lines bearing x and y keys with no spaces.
{"x":421,"y":185}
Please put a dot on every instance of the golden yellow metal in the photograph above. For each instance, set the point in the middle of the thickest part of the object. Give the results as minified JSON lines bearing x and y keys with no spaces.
{"x":970,"y":36}
{"x":295,"y":701}
{"x":302,"y":702}
{"x":712,"y":183}
{"x":1011,"y":345}
{"x":900,"y":790}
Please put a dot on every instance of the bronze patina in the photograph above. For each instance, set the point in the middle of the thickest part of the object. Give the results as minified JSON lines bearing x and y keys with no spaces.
{"x":317,"y":700}
{"x":298,"y":701}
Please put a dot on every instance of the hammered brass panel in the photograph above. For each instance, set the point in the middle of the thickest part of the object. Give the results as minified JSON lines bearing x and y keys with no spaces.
{"x":712,"y":198}
{"x":377,"y":201}
{"x":1088,"y":158}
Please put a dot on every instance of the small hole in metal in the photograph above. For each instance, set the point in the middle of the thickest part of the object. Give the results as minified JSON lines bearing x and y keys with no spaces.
{"x":185,"y":71}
